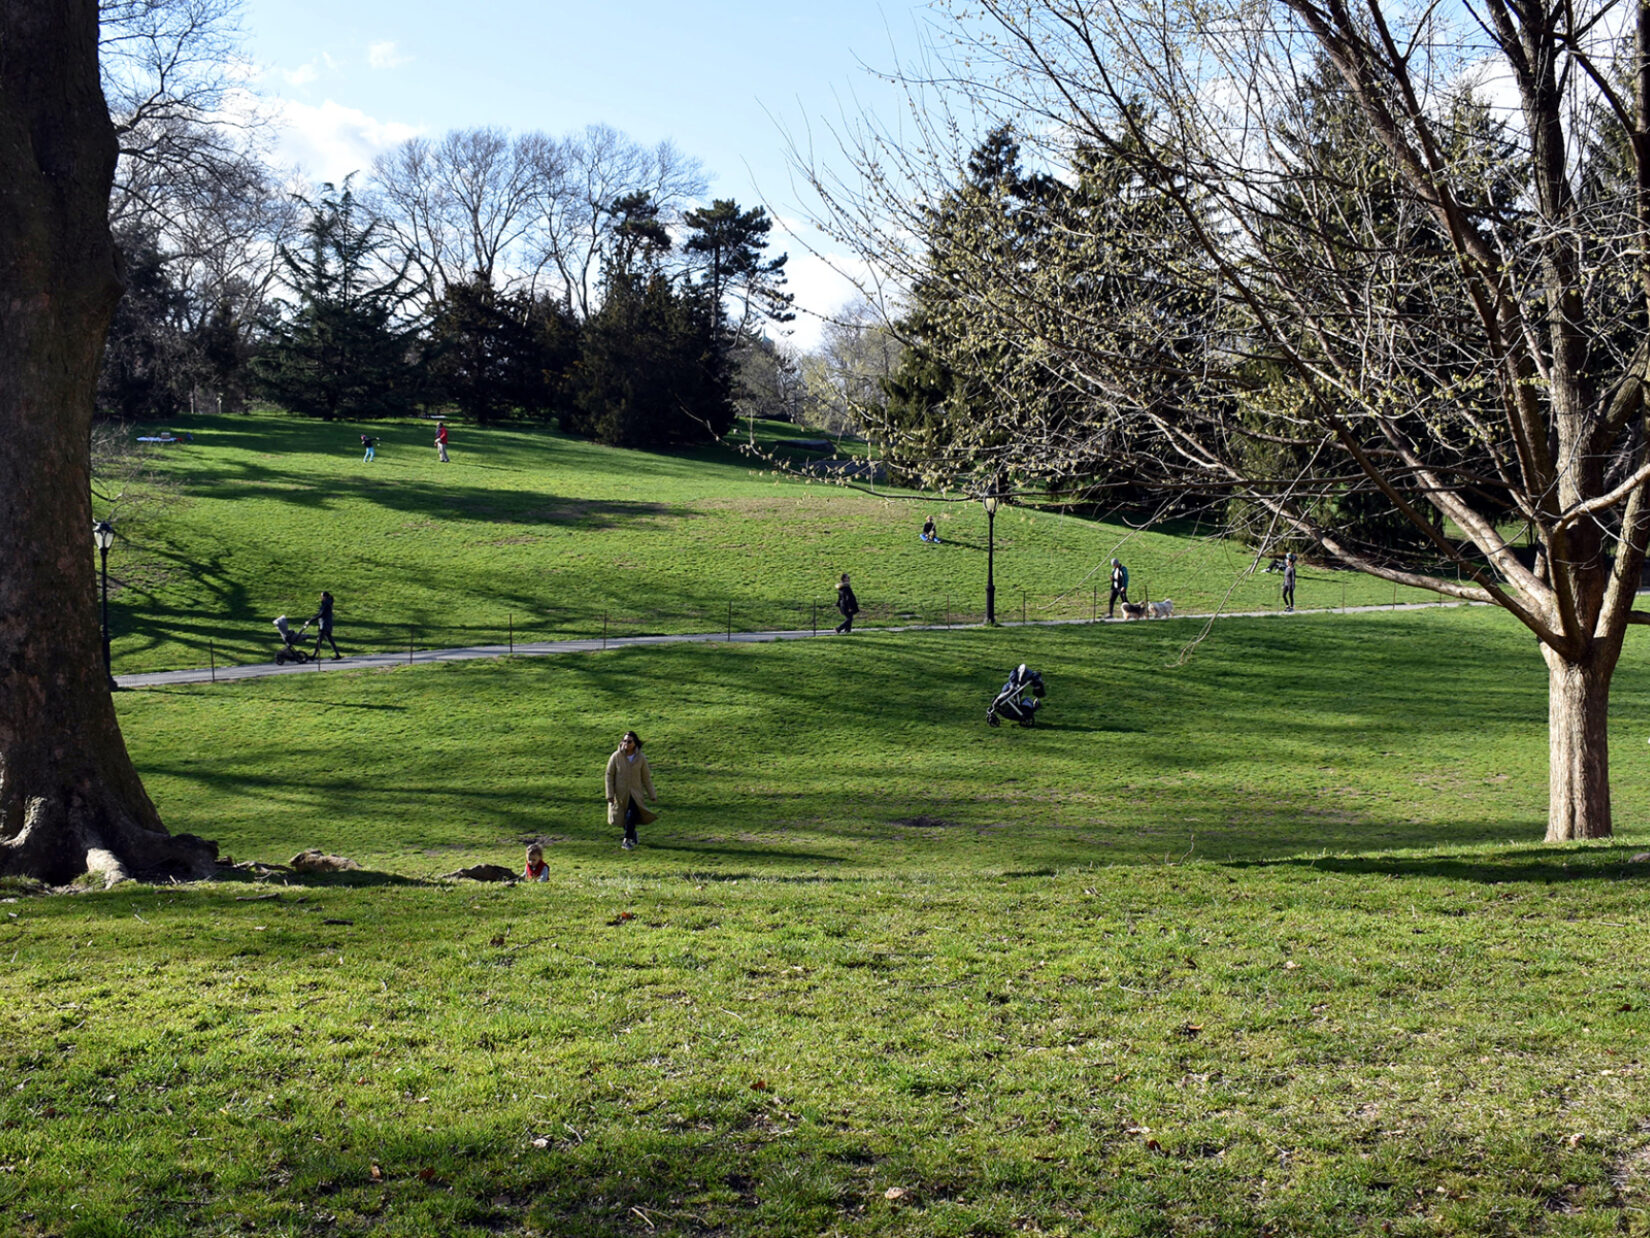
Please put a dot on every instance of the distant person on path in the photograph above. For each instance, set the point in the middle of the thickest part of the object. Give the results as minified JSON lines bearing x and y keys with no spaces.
{"x":537,"y":869}
{"x":441,"y":441}
{"x":323,"y":632}
{"x":1119,"y":587}
{"x":1289,"y":583}
{"x":847,"y":604}
{"x":368,"y":442}
{"x":929,"y":532}
{"x":628,"y":778}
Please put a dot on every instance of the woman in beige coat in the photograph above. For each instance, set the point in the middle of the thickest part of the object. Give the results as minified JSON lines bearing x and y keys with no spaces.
{"x":628,"y":779}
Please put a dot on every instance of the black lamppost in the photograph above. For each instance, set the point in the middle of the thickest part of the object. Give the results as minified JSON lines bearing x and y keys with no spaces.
{"x":103,"y":536}
{"x":989,"y":502}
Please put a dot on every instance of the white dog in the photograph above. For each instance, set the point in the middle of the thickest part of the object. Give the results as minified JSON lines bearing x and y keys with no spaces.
{"x":1161,"y":610}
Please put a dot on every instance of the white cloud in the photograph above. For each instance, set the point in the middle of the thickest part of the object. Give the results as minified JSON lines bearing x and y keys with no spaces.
{"x":329,"y":141}
{"x":822,"y":287}
{"x":303,"y":75}
{"x":384,"y":56}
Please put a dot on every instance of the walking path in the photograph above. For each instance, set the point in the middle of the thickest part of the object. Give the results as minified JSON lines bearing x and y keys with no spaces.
{"x":539,"y":649}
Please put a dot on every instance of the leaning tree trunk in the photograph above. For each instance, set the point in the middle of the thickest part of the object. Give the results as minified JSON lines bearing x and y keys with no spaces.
{"x":70,"y":800}
{"x":1578,"y":712}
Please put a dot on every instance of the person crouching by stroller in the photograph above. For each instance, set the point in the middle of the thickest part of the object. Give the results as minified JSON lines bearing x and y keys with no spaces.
{"x":847,"y":604}
{"x":628,"y":779}
{"x":323,"y":618}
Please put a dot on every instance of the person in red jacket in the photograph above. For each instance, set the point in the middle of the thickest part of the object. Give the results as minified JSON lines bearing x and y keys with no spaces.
{"x":441,"y":441}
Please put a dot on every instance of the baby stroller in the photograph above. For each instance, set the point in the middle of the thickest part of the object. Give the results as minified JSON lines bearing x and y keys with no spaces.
{"x":290,"y":650}
{"x":1020,"y":699}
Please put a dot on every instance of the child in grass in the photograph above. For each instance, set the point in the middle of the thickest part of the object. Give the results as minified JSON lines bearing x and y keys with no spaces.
{"x":537,"y":869}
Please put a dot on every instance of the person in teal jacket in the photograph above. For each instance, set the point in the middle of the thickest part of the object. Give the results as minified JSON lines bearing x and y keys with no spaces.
{"x":1119,"y":587}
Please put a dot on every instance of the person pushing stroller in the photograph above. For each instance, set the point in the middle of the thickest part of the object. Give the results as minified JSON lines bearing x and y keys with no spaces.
{"x":323,"y":618}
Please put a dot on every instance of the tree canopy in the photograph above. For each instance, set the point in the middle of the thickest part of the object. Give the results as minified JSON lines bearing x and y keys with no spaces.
{"x":1337,"y":286}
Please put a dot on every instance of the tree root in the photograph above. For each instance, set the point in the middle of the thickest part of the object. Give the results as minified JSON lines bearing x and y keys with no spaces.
{"x":60,"y":842}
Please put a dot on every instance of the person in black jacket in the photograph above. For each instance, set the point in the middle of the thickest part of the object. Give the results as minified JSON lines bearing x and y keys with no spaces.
{"x":323,"y":619}
{"x":1289,"y":582}
{"x":847,"y":603}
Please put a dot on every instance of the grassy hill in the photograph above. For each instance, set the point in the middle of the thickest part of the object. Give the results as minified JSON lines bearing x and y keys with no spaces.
{"x":1251,"y":936}
{"x":547,"y":536}
{"x":1363,"y":731}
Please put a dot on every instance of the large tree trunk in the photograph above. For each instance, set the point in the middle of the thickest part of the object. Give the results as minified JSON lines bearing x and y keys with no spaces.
{"x":70,"y":800}
{"x":1578,"y":712}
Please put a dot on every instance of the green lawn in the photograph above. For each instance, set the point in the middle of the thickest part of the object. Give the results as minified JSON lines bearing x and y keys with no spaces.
{"x":531,"y":533}
{"x":1258,"y":942}
{"x":1252,"y":935}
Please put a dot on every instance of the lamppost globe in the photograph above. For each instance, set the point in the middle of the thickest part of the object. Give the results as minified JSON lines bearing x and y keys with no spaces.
{"x":103,"y":537}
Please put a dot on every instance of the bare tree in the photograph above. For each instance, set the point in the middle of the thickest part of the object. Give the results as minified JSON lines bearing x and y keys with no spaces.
{"x":167,"y":71}
{"x":70,"y":799}
{"x":845,"y":374}
{"x":191,"y":180}
{"x":579,"y":182}
{"x":459,"y":207}
{"x":1408,"y":292}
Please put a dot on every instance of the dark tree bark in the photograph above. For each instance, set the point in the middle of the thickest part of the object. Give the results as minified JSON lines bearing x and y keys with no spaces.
{"x":70,"y":799}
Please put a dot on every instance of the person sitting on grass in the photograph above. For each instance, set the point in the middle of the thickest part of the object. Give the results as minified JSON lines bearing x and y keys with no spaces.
{"x":929,"y":533}
{"x":537,"y":869}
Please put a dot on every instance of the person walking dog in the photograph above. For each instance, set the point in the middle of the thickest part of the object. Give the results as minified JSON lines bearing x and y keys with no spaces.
{"x":628,"y":779}
{"x":847,"y":604}
{"x":1119,"y":587}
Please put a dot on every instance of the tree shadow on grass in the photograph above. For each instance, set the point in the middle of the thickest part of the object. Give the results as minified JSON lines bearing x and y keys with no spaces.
{"x":770,"y":855}
{"x":319,"y":705}
{"x":1528,"y":865}
{"x":352,"y":879}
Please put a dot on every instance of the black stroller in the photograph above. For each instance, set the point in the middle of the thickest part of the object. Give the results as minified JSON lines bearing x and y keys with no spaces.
{"x":1020,"y":699}
{"x":290,"y":650}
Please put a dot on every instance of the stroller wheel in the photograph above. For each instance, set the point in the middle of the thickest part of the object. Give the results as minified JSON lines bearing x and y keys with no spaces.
{"x":280,"y":658}
{"x":1030,"y":720}
{"x":991,"y":717}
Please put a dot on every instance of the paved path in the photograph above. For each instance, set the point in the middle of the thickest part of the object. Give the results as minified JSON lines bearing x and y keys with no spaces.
{"x":540,"y":649}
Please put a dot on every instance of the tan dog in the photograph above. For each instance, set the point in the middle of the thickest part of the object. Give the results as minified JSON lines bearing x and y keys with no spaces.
{"x":1161,"y":610}
{"x":1134,"y":610}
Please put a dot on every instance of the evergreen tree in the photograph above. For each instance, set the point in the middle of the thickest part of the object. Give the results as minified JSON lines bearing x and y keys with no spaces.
{"x":498,"y":355}
{"x":651,"y":373}
{"x":144,"y":360}
{"x":731,"y":243}
{"x":343,"y":349}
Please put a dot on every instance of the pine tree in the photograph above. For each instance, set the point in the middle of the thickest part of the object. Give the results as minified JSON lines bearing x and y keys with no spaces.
{"x":343,"y":349}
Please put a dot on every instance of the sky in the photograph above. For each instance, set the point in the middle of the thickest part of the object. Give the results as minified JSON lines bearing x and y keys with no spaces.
{"x":725,"y":80}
